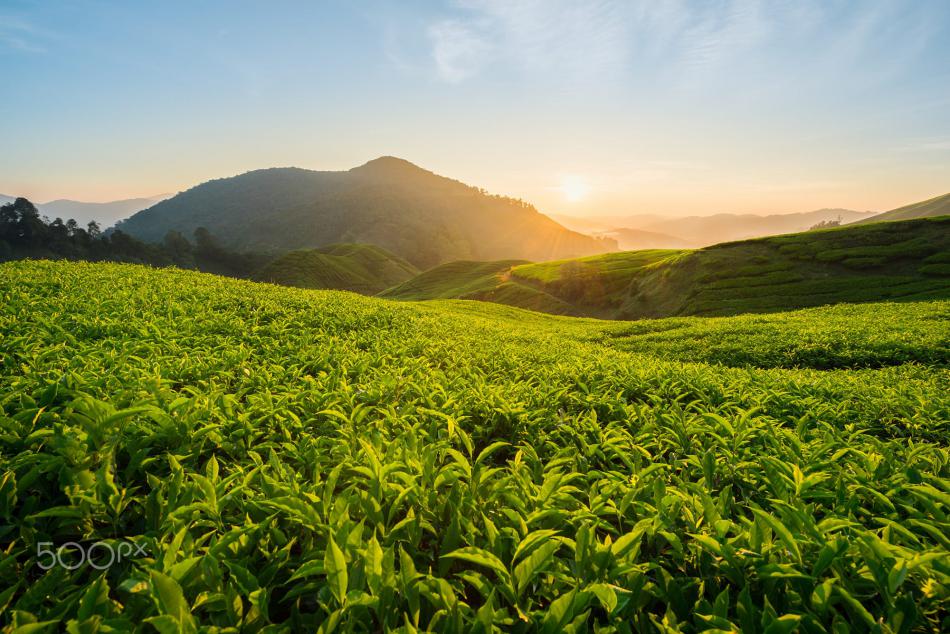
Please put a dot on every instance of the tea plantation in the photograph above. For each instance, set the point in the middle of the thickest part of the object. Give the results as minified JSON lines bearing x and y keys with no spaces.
{"x":278,"y":459}
{"x":883,"y":261}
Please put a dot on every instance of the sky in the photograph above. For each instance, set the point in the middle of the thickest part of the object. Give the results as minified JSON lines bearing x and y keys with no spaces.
{"x":595,"y":107}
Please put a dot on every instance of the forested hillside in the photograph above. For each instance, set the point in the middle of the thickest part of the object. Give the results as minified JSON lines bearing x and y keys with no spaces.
{"x":422,"y":217}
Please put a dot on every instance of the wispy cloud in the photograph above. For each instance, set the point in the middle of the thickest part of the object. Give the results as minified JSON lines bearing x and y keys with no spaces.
{"x":721,"y":33}
{"x":609,"y":39}
{"x":564,"y":37}
{"x":459,"y":49}
{"x":599,"y":39}
{"x":20,"y":35}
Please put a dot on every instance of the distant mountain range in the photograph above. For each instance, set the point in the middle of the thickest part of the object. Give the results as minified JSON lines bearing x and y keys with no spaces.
{"x":639,"y":239}
{"x":651,"y":231}
{"x":389,"y":202}
{"x":106,"y":214}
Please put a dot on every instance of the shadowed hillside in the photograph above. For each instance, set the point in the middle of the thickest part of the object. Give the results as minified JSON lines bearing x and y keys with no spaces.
{"x":420,"y":216}
{"x":362,"y":268}
{"x":484,"y":281}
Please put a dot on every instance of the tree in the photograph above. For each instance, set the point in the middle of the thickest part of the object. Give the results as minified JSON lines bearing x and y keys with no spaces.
{"x":9,"y":218}
{"x":178,"y":248}
{"x":204,"y":242}
{"x":31,"y":230}
{"x":826,"y":224}
{"x":24,"y":233}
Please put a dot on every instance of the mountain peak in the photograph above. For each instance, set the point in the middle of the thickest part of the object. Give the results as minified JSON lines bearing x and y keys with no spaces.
{"x":388,"y":202}
{"x":389,"y":165}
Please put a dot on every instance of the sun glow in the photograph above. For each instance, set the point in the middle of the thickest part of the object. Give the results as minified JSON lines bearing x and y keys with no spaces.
{"x":574,"y":188}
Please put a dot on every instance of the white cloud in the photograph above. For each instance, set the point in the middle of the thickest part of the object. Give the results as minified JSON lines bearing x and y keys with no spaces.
{"x":457,"y":49}
{"x":568,"y":38}
{"x":578,"y":43}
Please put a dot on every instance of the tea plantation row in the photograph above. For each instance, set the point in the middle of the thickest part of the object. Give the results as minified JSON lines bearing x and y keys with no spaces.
{"x":291,"y":460}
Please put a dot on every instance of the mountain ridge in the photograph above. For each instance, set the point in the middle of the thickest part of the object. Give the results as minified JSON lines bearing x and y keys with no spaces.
{"x":699,"y":231}
{"x":416,"y":214}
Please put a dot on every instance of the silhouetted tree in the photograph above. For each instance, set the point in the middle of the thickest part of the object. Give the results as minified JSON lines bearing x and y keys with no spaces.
{"x":178,"y":247}
{"x":30,"y":228}
{"x":826,"y":224}
{"x":24,"y":233}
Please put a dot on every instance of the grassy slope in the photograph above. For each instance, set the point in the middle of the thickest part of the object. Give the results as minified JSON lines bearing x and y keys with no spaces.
{"x":878,"y":262}
{"x":485,"y":281}
{"x":594,"y":285}
{"x":363,"y":268}
{"x":937,"y":206}
{"x":452,"y":280}
{"x":253,"y":436}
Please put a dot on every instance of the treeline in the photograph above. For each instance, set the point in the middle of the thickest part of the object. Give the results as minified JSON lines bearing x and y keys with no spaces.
{"x":26,"y":234}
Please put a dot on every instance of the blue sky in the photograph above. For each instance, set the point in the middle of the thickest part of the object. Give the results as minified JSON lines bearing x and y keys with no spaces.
{"x":580,"y":107}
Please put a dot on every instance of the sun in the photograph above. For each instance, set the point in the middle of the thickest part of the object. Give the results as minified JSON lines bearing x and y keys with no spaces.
{"x":574,"y":188}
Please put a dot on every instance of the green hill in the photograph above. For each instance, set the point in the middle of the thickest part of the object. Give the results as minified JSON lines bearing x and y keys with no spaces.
{"x":279,"y":459}
{"x":422,"y":217}
{"x":903,"y":260}
{"x":363,"y":268}
{"x":484,"y":281}
{"x":938,"y":206}
{"x":593,"y":285}
{"x":453,"y":280}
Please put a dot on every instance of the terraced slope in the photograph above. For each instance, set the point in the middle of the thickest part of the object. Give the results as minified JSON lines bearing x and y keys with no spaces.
{"x":363,"y":268}
{"x":593,"y":285}
{"x":281,"y":459}
{"x":459,"y":279}
{"x":892,"y":261}
{"x":485,"y":281}
{"x":903,"y":261}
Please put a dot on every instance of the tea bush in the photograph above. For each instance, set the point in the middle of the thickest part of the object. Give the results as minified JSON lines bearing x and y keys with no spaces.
{"x":293,"y":460}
